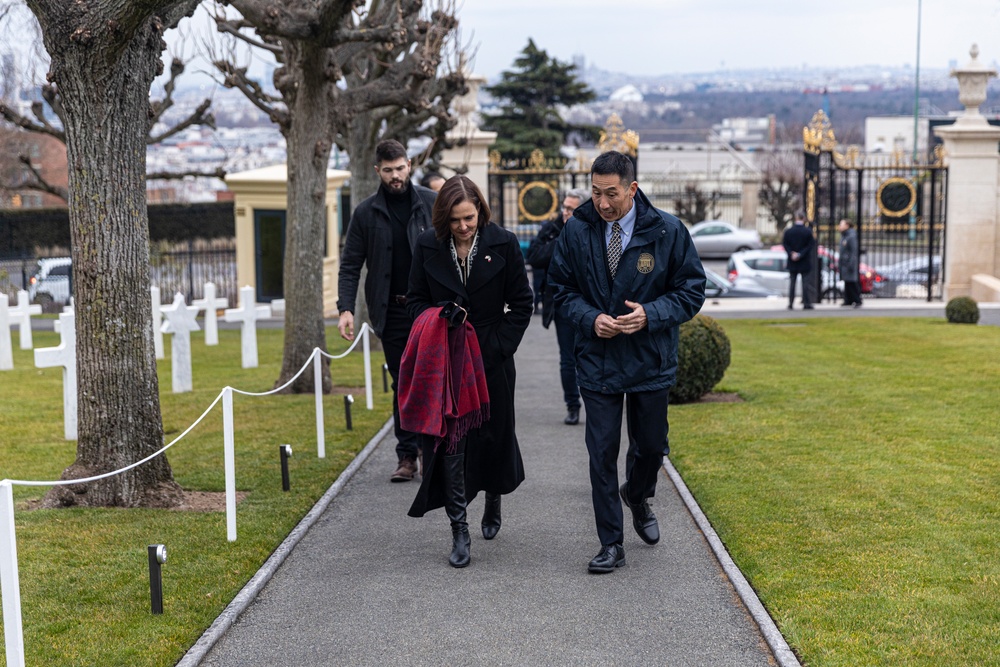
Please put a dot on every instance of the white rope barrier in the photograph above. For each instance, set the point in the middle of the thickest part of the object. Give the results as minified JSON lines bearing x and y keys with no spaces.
{"x":10,"y":588}
{"x":84,"y":480}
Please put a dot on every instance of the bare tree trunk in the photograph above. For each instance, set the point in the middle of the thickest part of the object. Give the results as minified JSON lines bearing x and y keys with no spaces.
{"x":364,"y":182}
{"x":105,"y":89}
{"x":309,"y":144}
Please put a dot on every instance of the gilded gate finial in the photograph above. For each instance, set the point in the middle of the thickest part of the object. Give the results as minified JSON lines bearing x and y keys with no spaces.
{"x":818,"y":136}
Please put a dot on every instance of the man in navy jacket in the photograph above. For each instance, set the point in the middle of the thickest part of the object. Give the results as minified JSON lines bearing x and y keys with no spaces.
{"x":626,"y":275}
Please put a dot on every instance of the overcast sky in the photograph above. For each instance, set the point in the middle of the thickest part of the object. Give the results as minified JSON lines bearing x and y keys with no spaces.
{"x":669,"y":36}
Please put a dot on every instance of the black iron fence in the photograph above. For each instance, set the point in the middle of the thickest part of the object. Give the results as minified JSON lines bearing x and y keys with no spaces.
{"x":897,"y":205}
{"x":183,"y":267}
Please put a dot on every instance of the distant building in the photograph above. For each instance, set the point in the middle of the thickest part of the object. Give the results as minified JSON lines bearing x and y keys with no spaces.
{"x":746,"y":132}
{"x":627,"y":93}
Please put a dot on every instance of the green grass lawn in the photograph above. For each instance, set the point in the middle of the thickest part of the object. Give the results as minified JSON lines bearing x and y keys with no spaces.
{"x":857,"y":486}
{"x":84,"y":573}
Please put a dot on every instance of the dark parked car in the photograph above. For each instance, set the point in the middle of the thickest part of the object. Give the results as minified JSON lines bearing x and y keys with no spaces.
{"x":909,"y":278}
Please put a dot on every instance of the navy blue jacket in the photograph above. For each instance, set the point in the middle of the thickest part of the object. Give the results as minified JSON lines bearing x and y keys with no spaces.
{"x":659,"y":269}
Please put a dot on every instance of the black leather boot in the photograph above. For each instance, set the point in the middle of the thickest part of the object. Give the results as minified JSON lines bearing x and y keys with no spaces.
{"x":491,"y":516}
{"x":454,"y":493}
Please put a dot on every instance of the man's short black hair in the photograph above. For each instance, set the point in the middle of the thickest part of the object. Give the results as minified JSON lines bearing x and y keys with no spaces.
{"x":388,"y":151}
{"x":614,"y":163}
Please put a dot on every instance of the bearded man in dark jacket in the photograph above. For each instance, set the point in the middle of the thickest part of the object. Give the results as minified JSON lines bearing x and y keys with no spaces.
{"x":382,"y":234}
{"x":626,"y":275}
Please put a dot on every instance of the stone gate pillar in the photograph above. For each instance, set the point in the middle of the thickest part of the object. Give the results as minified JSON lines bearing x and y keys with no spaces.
{"x":472,"y":145}
{"x":973,"y":209}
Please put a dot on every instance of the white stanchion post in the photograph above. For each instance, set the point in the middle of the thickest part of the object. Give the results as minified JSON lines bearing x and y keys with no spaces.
{"x":366,"y":346}
{"x":318,"y":383}
{"x":10,"y":587}
{"x":229,"y":444}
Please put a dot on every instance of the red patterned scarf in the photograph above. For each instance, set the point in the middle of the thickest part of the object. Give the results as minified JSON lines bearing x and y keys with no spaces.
{"x":442,"y":385}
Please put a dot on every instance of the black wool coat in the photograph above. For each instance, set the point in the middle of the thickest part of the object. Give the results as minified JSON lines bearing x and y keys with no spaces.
{"x":498,"y":299}
{"x":798,"y":238}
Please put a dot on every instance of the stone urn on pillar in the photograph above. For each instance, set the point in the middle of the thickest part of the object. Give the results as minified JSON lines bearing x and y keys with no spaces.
{"x":972,"y":249}
{"x":972,"y":80}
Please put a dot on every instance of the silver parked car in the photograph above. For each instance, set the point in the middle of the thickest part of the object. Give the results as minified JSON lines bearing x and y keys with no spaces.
{"x":770,"y":269}
{"x":718,"y":287}
{"x":715,"y":238}
{"x":50,"y":284}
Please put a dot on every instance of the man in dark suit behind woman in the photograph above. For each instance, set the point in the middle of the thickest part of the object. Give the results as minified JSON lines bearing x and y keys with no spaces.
{"x":798,"y":241}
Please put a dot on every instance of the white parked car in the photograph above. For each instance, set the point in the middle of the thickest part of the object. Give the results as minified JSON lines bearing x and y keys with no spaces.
{"x":770,"y":269}
{"x":715,"y":238}
{"x":50,"y":284}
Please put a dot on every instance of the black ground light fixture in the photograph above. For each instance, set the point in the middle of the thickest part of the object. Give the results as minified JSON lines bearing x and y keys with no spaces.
{"x":286,"y":453}
{"x":348,"y":401}
{"x":385,"y":378}
{"x":157,"y":557}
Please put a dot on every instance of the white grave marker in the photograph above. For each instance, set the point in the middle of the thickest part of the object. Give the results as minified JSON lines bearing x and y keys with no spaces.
{"x":181,"y":321}
{"x":210,"y":305}
{"x":21,"y":316}
{"x":6,"y":348}
{"x":70,"y":309}
{"x":248,"y":313}
{"x":64,"y":355}
{"x":154,"y":293}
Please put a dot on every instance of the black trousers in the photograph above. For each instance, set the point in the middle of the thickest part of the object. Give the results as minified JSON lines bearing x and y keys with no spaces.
{"x":566,"y":335}
{"x":646,"y":416}
{"x":852,"y":292}
{"x":394,"y":336}
{"x":806,"y":292}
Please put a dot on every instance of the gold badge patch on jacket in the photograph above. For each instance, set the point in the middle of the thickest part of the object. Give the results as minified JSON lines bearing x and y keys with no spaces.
{"x":645,"y":263}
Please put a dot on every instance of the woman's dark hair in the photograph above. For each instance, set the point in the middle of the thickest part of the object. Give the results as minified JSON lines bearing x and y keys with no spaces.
{"x":456,"y":190}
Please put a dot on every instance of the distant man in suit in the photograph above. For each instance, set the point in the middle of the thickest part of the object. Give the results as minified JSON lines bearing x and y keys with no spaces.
{"x":798,"y":241}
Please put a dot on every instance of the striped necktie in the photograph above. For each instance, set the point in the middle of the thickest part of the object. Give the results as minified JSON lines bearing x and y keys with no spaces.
{"x":615,"y":248}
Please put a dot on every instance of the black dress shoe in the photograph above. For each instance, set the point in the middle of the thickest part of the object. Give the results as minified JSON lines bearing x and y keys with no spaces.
{"x":610,"y":557}
{"x":572,"y":417}
{"x":643,"y":519}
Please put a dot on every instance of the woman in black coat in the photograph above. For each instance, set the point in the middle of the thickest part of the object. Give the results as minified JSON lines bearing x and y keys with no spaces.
{"x":468,"y":261}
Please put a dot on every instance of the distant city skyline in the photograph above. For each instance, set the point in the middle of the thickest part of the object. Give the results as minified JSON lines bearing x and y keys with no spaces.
{"x":661,"y":37}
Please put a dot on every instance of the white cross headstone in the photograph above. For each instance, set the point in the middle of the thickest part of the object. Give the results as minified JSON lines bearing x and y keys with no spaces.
{"x":70,"y":309}
{"x":248,"y":313}
{"x":181,"y":321}
{"x":21,"y":315}
{"x":210,"y":305}
{"x":6,"y":349}
{"x":64,"y":355}
{"x":154,"y":294}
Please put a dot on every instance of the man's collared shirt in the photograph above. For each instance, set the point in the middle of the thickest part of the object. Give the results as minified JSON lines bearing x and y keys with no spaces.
{"x":627,"y":224}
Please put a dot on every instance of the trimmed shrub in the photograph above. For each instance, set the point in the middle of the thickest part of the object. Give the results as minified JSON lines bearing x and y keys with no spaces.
{"x":703,"y":355}
{"x":962,"y":310}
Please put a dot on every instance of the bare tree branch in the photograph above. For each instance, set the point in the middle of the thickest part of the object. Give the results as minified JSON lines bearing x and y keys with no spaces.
{"x":40,"y":184}
{"x":235,"y":28}
{"x":199,"y":116}
{"x":23,"y":122}
{"x":236,"y":77}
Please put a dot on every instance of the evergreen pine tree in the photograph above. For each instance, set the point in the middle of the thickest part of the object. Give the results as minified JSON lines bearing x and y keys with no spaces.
{"x":527,"y":97}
